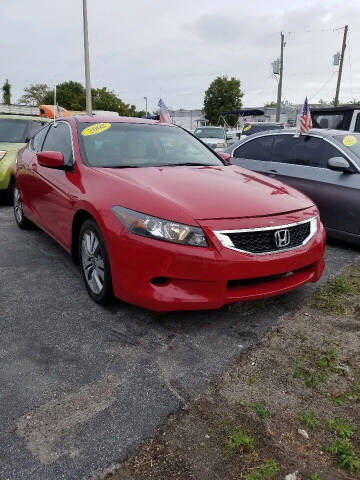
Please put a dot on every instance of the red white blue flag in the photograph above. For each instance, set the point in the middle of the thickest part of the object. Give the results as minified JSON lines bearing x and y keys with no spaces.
{"x":164,"y":112}
{"x":305,"y":118}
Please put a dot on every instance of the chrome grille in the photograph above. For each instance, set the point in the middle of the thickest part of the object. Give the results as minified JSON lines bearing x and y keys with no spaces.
{"x":270,"y":239}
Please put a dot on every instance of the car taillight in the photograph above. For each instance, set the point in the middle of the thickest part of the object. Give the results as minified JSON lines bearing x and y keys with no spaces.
{"x":2,"y":153}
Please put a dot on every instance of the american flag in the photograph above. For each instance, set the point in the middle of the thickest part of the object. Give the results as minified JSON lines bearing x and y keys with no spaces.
{"x":164,"y":112}
{"x":305,"y":119}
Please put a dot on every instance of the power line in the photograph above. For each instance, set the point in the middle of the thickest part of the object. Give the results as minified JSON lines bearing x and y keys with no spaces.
{"x":324,"y":85}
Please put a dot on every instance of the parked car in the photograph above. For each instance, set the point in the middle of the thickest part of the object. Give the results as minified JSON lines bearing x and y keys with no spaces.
{"x":345,"y":117}
{"x":257,"y":127}
{"x":324,"y":164}
{"x":15,"y":131}
{"x":214,"y":137}
{"x":161,"y":221}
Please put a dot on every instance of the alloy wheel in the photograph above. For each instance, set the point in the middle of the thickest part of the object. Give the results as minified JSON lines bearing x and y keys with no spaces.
{"x":18,"y":205}
{"x":92,"y":261}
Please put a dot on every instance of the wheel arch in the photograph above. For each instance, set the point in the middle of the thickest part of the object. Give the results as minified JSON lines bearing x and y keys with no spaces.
{"x":79,"y":218}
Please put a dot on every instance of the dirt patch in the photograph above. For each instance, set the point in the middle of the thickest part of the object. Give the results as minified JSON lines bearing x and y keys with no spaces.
{"x":48,"y":430}
{"x":291,"y":404}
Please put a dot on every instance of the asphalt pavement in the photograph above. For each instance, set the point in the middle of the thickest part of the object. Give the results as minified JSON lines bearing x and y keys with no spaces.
{"x":81,"y":386}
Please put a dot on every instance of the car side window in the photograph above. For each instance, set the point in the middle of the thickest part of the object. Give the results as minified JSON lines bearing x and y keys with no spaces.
{"x":37,"y":140}
{"x":282,"y":147}
{"x":304,"y":150}
{"x":59,"y":140}
{"x":357,"y":123}
{"x":313,"y":152}
{"x":256,"y":149}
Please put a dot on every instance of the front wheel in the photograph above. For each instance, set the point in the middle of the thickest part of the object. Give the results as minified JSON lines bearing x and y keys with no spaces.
{"x":94,"y":263}
{"x":21,"y":220}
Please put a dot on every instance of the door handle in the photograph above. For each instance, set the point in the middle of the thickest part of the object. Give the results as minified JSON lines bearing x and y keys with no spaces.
{"x":272,"y":173}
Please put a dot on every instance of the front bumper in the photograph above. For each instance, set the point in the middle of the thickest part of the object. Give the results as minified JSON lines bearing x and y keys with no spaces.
{"x":163,"y":276}
{"x":6,"y":164}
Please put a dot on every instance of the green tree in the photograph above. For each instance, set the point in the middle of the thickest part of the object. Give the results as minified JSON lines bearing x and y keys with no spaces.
{"x":271,"y":104}
{"x":136,"y":113}
{"x":223,"y":94}
{"x":103,"y":99}
{"x":35,"y":94}
{"x":6,"y":88}
{"x":70,"y":95}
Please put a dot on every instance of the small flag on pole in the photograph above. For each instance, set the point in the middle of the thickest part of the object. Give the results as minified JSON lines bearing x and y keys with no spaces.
{"x":305,"y":118}
{"x":164,"y":112}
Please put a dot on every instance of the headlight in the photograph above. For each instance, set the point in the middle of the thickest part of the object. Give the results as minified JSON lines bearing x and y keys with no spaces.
{"x":220,"y":145}
{"x":2,"y":153}
{"x":153,"y":227}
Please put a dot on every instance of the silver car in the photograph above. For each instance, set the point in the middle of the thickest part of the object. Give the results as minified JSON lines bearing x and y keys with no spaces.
{"x":323,"y":164}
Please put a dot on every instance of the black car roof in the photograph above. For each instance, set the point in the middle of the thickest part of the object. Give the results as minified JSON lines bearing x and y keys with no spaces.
{"x":320,"y":132}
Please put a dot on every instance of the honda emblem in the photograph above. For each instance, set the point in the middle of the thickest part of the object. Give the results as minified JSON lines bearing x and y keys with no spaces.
{"x":282,"y":238}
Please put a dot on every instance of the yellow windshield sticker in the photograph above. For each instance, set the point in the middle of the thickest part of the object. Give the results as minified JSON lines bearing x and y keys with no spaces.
{"x":95,"y":129}
{"x":245,"y":129}
{"x":349,"y":140}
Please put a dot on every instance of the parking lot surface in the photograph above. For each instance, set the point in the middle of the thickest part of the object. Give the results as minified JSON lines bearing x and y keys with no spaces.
{"x":81,"y":386}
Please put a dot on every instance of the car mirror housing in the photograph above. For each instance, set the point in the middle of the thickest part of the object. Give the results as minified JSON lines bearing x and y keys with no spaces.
{"x":51,"y":160}
{"x":339,"y":164}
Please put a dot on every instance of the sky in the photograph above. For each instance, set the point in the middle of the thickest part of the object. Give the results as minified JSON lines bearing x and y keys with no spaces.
{"x":176,"y":48}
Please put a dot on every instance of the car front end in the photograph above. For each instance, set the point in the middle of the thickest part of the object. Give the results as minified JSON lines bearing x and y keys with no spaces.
{"x":8,"y":152}
{"x":235,"y":260}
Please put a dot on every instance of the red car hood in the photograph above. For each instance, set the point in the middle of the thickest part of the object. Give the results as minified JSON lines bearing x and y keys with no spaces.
{"x":187,"y":193}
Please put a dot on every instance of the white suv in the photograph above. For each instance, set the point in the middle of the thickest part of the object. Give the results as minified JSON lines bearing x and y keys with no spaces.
{"x":214,"y":137}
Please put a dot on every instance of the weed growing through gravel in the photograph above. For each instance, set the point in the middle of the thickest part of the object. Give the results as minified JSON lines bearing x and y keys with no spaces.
{"x":261,"y":410}
{"x":341,"y":427}
{"x":339,"y":295}
{"x":239,"y":440}
{"x":265,"y":471}
{"x":344,"y":452}
{"x":309,"y":419}
{"x":315,"y":476}
{"x":352,"y":394}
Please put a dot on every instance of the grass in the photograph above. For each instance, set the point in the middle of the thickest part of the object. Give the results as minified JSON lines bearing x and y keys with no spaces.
{"x":344,"y":452}
{"x":261,"y":410}
{"x":239,"y":441}
{"x":315,"y":476}
{"x":265,"y":471}
{"x":339,"y":295}
{"x":341,"y":427}
{"x":352,"y":394}
{"x":309,"y":419}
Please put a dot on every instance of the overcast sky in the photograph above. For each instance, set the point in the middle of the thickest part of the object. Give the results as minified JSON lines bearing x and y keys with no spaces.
{"x":143,"y":47}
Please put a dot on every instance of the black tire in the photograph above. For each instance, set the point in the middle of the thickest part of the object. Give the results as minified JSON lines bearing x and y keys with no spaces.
{"x":21,"y":221}
{"x":94,"y":263}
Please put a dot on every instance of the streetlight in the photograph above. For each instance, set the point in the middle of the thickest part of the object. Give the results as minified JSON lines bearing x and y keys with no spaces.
{"x":87,"y":62}
{"x":146,"y":110}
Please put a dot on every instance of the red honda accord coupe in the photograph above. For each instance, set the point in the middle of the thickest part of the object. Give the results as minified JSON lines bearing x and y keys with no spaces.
{"x":158,"y":219}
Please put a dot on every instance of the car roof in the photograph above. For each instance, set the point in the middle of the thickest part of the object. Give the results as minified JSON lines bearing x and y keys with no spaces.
{"x":321,"y":132}
{"x":25,"y":117}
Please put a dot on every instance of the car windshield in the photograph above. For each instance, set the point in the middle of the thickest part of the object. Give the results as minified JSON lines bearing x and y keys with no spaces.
{"x":210,"y":133}
{"x":350,"y":142}
{"x":120,"y":145}
{"x":13,"y":131}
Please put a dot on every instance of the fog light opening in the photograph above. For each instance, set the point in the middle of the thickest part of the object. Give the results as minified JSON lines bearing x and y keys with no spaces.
{"x":160,"y":281}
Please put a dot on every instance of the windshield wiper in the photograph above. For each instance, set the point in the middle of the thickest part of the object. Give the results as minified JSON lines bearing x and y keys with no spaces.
{"x":187,"y":164}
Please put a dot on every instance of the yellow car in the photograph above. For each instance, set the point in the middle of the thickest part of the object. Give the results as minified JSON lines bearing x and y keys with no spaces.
{"x":15,"y":132}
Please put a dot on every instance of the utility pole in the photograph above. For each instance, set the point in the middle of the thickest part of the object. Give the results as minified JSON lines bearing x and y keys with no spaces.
{"x":87,"y":62}
{"x":146,"y":106}
{"x":336,"y":100}
{"x":278,"y":105}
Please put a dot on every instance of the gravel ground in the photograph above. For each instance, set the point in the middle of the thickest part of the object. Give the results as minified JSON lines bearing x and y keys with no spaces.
{"x":82,"y":386}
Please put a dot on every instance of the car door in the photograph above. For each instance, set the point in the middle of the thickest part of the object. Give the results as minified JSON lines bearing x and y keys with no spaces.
{"x":53,"y":189}
{"x":302,"y":163}
{"x":254,"y":154}
{"x":25,"y":177}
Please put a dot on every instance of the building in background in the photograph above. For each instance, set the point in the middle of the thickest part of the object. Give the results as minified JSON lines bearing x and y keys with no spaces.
{"x":189,"y":119}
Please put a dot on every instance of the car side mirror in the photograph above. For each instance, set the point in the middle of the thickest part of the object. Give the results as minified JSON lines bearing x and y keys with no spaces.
{"x":339,"y":164}
{"x":225,"y":156}
{"x":51,"y":160}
